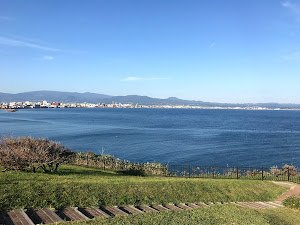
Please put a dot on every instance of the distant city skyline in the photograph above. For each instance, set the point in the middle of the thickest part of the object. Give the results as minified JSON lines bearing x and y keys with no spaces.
{"x":217,"y":51}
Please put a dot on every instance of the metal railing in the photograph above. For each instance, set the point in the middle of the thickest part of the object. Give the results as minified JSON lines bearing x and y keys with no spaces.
{"x":263,"y":173}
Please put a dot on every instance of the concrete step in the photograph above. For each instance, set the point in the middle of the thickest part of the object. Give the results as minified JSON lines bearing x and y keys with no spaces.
{"x":183,"y":206}
{"x":130,"y":209}
{"x":240,"y":204}
{"x":192,"y":205}
{"x":72,"y":213}
{"x":46,"y":216}
{"x":18,"y":217}
{"x":159,"y":208}
{"x":201,"y":204}
{"x":146,"y":208}
{"x":172,"y":207}
{"x":114,"y":211}
{"x":93,"y":212}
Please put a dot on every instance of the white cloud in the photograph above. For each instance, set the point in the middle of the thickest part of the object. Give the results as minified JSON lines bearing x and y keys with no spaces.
{"x":48,"y":57}
{"x":134,"y":78}
{"x":295,"y":8}
{"x":27,"y":44}
{"x":212,"y":45}
{"x":6,"y":18}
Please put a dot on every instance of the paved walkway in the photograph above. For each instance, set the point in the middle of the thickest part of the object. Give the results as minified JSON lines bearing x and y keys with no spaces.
{"x":293,"y":191}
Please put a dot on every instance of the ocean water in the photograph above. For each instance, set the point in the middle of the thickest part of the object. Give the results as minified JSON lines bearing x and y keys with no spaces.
{"x":179,"y":136}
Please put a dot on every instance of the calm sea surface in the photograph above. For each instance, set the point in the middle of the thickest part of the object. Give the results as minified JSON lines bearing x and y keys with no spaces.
{"x":204,"y":137}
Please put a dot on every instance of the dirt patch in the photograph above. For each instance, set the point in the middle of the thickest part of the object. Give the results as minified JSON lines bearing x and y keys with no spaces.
{"x":293,"y":191}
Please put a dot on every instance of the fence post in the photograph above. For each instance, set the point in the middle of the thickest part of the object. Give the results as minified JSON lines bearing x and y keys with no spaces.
{"x":87,"y":160}
{"x":165,"y":169}
{"x":289,"y":174}
{"x":262,"y":173}
{"x":237,"y":173}
{"x":213,"y":172}
{"x":190,"y":170}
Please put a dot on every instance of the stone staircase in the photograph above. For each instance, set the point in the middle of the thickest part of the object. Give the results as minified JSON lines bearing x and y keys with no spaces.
{"x":47,"y":216}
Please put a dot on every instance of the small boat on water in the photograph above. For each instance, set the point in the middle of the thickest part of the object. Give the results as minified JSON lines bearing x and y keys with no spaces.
{"x":10,"y":110}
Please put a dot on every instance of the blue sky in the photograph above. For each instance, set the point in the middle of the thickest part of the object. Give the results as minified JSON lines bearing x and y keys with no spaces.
{"x":211,"y":50}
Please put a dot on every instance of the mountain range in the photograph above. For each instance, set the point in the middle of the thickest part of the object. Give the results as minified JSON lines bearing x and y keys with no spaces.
{"x":67,"y":97}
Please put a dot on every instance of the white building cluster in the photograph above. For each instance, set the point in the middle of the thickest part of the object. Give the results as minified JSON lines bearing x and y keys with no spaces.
{"x":45,"y":104}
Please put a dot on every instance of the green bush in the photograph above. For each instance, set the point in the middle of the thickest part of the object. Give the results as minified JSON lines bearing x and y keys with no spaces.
{"x":292,"y":202}
{"x":133,"y":172}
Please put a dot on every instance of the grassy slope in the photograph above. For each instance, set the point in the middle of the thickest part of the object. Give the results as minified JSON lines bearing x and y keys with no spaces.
{"x":79,"y":186}
{"x":209,"y":216}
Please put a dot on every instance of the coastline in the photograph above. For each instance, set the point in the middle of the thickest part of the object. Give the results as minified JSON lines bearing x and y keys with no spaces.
{"x":15,"y":107}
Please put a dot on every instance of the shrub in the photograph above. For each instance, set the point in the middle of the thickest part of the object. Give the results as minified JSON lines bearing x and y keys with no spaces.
{"x":29,"y":154}
{"x":292,"y":202}
{"x":110,"y":162}
{"x":133,"y":172}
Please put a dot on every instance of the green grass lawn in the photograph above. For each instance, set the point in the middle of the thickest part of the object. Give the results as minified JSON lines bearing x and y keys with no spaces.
{"x":225,"y":214}
{"x":80,"y":186}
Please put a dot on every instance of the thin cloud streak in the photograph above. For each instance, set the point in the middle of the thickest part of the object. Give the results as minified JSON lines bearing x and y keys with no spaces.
{"x":48,"y":57}
{"x":133,"y":78}
{"x":19,"y":43}
{"x":212,"y":45}
{"x":6,"y":18}
{"x":295,"y":8}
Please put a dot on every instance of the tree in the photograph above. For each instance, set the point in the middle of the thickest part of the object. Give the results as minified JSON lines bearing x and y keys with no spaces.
{"x":289,"y":170}
{"x":29,"y":154}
